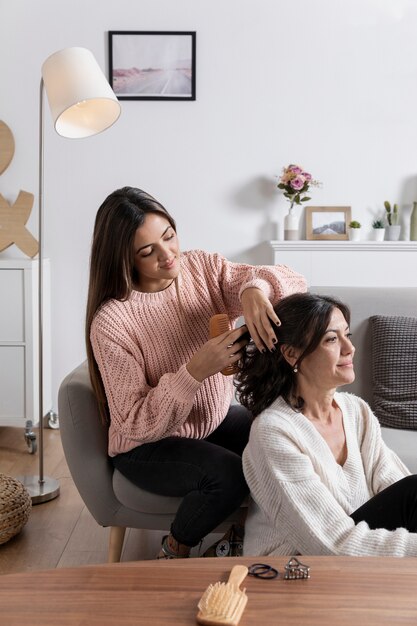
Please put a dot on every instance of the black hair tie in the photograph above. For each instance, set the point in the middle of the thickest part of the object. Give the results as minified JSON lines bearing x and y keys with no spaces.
{"x":262,"y":570}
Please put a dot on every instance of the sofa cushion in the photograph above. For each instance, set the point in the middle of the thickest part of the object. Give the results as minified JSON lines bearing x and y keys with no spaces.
{"x":394,"y":370}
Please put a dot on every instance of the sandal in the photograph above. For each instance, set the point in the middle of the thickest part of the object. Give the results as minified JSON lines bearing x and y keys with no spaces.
{"x":166,"y":552}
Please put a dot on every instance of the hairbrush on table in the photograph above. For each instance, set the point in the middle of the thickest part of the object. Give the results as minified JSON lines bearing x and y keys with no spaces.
{"x":224,"y":603}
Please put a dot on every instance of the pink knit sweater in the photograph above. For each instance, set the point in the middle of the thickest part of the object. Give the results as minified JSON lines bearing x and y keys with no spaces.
{"x":142,"y":346}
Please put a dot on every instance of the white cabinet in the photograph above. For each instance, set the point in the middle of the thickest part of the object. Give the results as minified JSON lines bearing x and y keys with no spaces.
{"x":19,"y":382}
{"x":349,"y":263}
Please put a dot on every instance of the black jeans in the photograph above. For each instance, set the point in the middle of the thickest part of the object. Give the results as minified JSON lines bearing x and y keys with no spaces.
{"x":206,"y":473}
{"x":394,"y":507}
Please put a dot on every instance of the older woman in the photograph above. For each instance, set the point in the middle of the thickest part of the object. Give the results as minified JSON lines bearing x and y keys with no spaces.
{"x":321,"y":478}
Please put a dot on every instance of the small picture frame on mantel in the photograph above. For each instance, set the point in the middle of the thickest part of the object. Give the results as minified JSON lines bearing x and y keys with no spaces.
{"x":152,"y":65}
{"x":327,"y":222}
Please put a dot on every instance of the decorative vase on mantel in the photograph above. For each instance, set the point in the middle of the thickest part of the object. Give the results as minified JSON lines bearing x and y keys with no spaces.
{"x":413,"y":223}
{"x":406,"y":222}
{"x":291,"y":223}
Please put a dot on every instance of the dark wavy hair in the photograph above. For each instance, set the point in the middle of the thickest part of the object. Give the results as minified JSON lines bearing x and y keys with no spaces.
{"x":263,"y":377}
{"x":112,"y":265}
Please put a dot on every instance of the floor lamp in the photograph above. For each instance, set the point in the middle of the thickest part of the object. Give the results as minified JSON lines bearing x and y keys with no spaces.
{"x":82,"y":104}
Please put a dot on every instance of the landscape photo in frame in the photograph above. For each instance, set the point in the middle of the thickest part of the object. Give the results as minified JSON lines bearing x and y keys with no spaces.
{"x":153,"y":65}
{"x":327,"y":222}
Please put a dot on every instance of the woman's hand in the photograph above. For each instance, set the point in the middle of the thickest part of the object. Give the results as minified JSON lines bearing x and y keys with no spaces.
{"x":258,"y":311}
{"x":217,"y":353}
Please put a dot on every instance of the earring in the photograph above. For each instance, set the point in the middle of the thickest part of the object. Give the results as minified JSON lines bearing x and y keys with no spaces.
{"x":295,"y":370}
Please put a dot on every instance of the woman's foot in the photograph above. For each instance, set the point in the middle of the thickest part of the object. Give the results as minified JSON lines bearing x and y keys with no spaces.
{"x":231,"y":544}
{"x":172,"y":549}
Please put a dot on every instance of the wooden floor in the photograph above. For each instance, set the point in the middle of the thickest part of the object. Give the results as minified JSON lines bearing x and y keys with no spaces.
{"x":59,"y":533}
{"x":62,"y":533}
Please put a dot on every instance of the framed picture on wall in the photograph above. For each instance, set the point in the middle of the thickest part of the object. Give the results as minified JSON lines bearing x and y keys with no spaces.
{"x":152,"y":65}
{"x":327,"y":222}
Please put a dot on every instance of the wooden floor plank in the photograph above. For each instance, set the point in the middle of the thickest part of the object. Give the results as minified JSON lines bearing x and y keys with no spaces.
{"x":45,"y":536}
{"x":59,"y":533}
{"x":88,"y":543}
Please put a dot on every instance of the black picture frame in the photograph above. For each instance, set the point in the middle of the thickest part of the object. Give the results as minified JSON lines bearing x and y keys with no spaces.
{"x":152,"y":65}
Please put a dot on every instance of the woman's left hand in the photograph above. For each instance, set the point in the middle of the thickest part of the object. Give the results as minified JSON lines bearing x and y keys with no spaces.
{"x":258,"y":313}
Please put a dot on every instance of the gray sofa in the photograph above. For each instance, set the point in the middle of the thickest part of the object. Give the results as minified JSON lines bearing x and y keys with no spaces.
{"x":365,"y":302}
{"x":114,"y":501}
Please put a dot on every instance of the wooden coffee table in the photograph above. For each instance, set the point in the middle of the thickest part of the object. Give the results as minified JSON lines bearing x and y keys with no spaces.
{"x":341,"y":591}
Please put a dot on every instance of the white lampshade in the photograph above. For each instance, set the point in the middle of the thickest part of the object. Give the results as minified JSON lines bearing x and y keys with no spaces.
{"x":81,"y":100}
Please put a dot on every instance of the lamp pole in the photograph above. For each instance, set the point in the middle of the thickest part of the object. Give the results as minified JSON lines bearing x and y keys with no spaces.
{"x":82,"y":104}
{"x":41,"y":488}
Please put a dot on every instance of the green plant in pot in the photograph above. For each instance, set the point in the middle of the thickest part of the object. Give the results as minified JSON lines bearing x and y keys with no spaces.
{"x":392,"y":215}
{"x":355,"y":230}
{"x":378,"y":230}
{"x":378,"y":224}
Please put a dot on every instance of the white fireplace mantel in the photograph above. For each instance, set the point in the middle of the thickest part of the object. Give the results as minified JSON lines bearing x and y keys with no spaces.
{"x":349,"y":263}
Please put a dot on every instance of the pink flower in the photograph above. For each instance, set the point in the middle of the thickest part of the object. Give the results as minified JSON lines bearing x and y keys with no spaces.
{"x":286,"y":177}
{"x":297,"y":183}
{"x":294,"y":183}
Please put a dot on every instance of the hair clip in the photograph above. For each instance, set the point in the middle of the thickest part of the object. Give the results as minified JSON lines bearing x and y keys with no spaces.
{"x":262,"y":570}
{"x":295,"y":570}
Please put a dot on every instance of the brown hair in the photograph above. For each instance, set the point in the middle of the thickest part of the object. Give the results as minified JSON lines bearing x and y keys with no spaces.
{"x":263,"y":377}
{"x":112,"y":269}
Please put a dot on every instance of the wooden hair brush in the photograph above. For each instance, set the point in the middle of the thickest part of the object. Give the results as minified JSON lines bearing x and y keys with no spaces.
{"x":224,"y":603}
{"x":220,"y":324}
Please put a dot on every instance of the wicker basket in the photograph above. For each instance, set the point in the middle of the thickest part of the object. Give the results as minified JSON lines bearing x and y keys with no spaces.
{"x":15,"y":505}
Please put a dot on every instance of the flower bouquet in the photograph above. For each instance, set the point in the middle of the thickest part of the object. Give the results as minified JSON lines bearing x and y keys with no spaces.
{"x":296,"y":182}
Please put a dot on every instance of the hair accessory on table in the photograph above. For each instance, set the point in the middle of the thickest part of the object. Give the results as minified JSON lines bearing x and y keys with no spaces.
{"x":295,"y":570}
{"x":262,"y":570}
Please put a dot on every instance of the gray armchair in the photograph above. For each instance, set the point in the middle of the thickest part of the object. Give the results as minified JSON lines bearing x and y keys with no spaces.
{"x":110,"y":497}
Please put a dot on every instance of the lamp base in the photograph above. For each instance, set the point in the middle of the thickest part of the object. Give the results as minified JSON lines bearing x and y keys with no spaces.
{"x":39,"y":491}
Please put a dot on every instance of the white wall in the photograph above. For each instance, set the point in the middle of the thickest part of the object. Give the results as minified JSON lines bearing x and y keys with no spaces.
{"x":330,"y":84}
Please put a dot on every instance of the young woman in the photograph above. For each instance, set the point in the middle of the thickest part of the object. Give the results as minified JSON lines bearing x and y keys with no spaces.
{"x":321,"y":478}
{"x":156,"y":374}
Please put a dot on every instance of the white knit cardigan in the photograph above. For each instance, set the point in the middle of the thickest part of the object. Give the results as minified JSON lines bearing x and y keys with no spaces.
{"x":302,"y":498}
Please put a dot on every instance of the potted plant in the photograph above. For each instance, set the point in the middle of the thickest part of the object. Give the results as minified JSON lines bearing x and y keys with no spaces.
{"x":392,"y":215}
{"x":378,"y":230}
{"x":354,"y":230}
